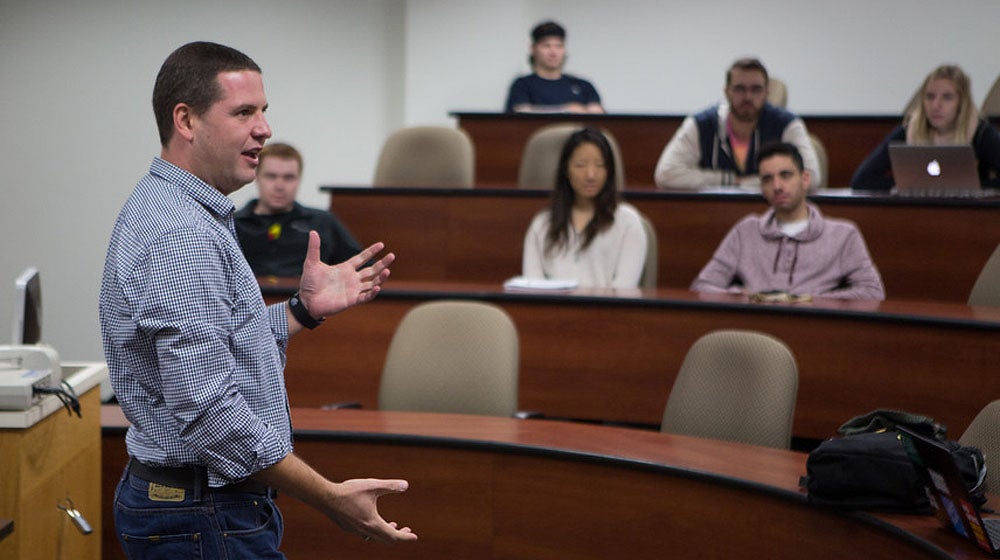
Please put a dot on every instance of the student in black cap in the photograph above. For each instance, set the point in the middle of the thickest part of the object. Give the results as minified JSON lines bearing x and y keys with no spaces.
{"x":547,"y":89}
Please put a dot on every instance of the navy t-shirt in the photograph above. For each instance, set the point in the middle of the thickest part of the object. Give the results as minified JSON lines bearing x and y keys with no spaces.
{"x":535,"y":90}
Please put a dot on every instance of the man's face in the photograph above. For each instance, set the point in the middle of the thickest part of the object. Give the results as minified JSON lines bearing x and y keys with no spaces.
{"x":277,"y":182}
{"x":783,"y":185}
{"x":549,"y":53}
{"x":229,"y":135}
{"x":746,"y":94}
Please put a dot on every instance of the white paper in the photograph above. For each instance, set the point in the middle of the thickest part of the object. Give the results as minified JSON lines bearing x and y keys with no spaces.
{"x":523,"y":283}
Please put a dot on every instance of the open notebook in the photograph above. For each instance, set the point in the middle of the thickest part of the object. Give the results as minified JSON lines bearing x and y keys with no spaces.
{"x":523,"y":283}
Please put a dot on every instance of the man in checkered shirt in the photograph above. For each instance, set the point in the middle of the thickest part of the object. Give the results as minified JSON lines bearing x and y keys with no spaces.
{"x":196,"y":358}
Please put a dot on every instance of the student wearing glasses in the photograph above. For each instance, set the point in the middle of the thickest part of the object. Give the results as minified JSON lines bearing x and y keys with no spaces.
{"x":718,"y":146}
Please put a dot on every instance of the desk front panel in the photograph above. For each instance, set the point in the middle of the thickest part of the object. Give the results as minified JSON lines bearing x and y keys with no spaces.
{"x":484,"y":487}
{"x":500,"y":138}
{"x":617,"y":361}
{"x":924,"y":250}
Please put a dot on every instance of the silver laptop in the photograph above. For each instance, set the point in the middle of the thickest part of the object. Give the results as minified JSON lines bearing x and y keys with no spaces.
{"x":935,"y":170}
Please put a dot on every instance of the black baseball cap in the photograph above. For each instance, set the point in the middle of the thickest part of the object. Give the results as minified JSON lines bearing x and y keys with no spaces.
{"x":547,"y":29}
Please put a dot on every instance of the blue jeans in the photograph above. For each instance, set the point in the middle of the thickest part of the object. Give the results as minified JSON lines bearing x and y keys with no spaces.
{"x":194,"y":524}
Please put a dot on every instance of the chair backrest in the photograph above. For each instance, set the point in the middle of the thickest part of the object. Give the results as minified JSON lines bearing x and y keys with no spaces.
{"x":824,"y":160}
{"x":991,"y":103}
{"x":426,"y":156}
{"x":777,"y":92}
{"x":736,"y":386}
{"x":984,"y":433}
{"x":452,"y":356}
{"x":651,"y":268}
{"x":986,"y":290}
{"x":540,"y":157}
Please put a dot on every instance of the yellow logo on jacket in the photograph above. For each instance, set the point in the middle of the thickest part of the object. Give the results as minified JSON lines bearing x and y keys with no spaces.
{"x":274,"y":231}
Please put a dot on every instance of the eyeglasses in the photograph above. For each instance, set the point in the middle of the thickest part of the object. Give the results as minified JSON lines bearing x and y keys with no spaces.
{"x":744,"y":90}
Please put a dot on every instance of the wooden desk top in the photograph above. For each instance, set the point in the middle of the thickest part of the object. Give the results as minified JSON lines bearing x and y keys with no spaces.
{"x":607,"y":356}
{"x":485,"y":487}
{"x":559,"y":117}
{"x":934,"y":313}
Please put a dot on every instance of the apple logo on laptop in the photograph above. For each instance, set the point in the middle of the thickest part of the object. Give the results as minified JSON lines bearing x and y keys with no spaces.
{"x":934,"y":168}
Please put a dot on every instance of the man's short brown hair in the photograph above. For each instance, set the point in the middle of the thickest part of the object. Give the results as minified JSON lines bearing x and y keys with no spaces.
{"x":746,"y":64}
{"x":190,"y":76}
{"x":280,"y":151}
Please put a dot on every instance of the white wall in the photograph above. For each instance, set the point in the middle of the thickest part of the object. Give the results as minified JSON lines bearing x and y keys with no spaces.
{"x":76,"y":80}
{"x":670,"y":56}
{"x":76,"y":129}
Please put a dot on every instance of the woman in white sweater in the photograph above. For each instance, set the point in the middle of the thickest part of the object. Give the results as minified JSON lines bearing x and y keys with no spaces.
{"x":586,"y":234}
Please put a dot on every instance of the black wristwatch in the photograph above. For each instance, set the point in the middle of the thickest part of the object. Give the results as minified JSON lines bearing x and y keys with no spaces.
{"x":301,"y":314}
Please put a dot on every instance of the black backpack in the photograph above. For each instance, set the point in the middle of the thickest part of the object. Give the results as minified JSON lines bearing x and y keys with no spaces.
{"x":871,"y":470}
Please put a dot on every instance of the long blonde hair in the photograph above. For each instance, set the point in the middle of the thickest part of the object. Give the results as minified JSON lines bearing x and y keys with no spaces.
{"x":919,"y":131}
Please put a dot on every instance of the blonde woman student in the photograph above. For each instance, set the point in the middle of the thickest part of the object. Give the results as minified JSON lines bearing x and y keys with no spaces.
{"x":944,"y":115}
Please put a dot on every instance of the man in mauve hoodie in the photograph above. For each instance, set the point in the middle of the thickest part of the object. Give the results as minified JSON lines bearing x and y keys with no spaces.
{"x":792,"y":247}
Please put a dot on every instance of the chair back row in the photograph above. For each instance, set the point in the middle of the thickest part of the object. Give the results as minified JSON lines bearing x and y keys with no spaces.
{"x":443,"y":157}
{"x":462,"y":357}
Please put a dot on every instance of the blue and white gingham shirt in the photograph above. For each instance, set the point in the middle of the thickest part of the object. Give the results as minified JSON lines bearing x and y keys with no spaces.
{"x":196,"y":358}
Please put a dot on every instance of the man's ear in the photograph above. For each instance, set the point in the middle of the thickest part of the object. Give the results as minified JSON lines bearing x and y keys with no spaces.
{"x":183,"y":121}
{"x":806,"y":179}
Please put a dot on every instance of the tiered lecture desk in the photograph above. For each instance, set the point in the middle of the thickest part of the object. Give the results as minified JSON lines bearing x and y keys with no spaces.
{"x":612,"y":356}
{"x":925,"y":249}
{"x":499,"y":139}
{"x":483,"y":487}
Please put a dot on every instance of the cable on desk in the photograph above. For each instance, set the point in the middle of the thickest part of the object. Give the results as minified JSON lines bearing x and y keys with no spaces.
{"x":66,"y":395}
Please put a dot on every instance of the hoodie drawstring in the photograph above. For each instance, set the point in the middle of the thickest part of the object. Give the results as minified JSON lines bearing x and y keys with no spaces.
{"x":795,"y":258}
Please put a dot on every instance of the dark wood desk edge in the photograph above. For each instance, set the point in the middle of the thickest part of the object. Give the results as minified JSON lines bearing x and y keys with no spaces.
{"x":113,"y":423}
{"x":646,"y":116}
{"x":616,"y":461}
{"x":646,"y":193}
{"x":534,"y":450}
{"x":834,"y":117}
{"x":801,"y":309}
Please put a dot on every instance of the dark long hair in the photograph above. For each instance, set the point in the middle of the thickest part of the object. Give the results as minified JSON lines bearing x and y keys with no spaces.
{"x":561,"y":205}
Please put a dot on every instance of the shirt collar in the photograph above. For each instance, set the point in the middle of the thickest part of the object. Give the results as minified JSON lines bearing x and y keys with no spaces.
{"x":206,"y":195}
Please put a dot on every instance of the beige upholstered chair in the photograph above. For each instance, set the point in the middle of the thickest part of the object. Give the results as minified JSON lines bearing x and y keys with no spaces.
{"x":991,"y":103}
{"x":540,"y":158}
{"x":736,"y":386}
{"x":426,"y":156}
{"x":777,"y":92}
{"x":984,"y":433}
{"x":651,"y":268}
{"x":986,"y":290}
{"x":824,"y":160}
{"x":452,"y":356}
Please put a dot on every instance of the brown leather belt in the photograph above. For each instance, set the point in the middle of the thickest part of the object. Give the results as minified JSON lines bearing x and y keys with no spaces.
{"x":194,"y":477}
